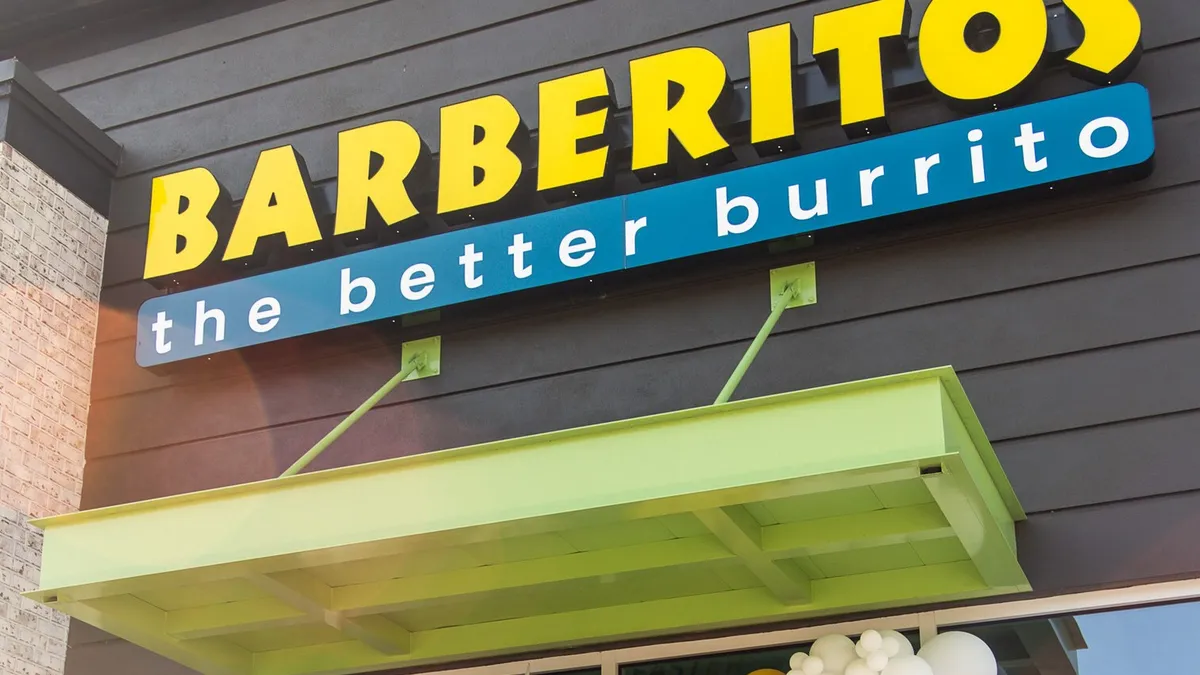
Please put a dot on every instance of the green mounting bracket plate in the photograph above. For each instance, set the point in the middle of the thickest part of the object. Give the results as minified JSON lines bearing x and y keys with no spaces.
{"x":804,"y":277}
{"x":432,"y":348}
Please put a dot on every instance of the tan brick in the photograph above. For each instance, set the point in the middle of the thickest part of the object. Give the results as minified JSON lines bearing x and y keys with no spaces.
{"x":51,"y":254}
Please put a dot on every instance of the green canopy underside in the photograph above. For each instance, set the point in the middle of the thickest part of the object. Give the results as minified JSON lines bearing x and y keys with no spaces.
{"x":868,"y":495}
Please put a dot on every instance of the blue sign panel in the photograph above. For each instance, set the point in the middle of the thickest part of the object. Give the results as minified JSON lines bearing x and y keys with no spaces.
{"x":999,"y":152}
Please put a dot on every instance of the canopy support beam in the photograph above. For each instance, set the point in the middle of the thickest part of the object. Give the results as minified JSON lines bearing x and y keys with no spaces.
{"x":425,"y":361}
{"x":790,"y":287}
{"x":311,"y":596}
{"x":742,"y":534}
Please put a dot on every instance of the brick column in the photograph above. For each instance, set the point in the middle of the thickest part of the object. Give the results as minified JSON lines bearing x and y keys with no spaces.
{"x":51,"y":254}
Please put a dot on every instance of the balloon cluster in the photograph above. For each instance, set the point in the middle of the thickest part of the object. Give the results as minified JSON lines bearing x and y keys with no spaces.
{"x":887,"y":652}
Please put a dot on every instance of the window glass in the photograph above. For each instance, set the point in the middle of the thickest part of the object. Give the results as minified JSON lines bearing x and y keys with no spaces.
{"x":1148,"y":641}
{"x":1143,"y":641}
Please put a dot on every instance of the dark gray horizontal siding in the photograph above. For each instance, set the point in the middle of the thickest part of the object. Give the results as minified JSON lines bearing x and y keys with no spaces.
{"x":1142,"y":302}
{"x":573,"y":38}
{"x":276,"y":58}
{"x":413,"y":85}
{"x":1104,"y":230}
{"x":1000,"y":319}
{"x":1111,"y":462}
{"x":1120,"y":383}
{"x":84,"y":633}
{"x":1015,"y":400}
{"x":910,"y":290}
{"x":1177,"y":138}
{"x":1057,"y":242}
{"x":382,"y":96}
{"x":509,"y":59}
{"x":117,"y":657}
{"x":1119,"y":544}
{"x":198,"y":55}
{"x":144,"y":54}
{"x":92,"y":32}
{"x":127,"y":246}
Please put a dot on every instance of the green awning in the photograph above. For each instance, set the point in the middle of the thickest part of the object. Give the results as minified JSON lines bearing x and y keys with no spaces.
{"x":862,"y":496}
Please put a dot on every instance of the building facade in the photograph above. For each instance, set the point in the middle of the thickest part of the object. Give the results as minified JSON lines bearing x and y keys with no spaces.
{"x":1065,"y":310}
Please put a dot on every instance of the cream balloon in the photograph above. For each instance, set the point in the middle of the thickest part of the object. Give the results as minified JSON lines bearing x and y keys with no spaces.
{"x":907,"y":665}
{"x":958,"y":653}
{"x":903,"y":646}
{"x":877,"y":661}
{"x":813,"y":665}
{"x":797,"y":660}
{"x":871,"y":640}
{"x":858,"y":667}
{"x":835,"y":651}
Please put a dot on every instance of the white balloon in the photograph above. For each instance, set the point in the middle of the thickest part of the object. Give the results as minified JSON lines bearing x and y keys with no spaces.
{"x":797,"y":660}
{"x":957,"y":653}
{"x":836,"y":651}
{"x":907,"y":665}
{"x":877,"y":661}
{"x":813,"y":665}
{"x":858,"y":667}
{"x":860,"y":650}
{"x":795,"y":671}
{"x":895,"y":638}
{"x":871,"y":640}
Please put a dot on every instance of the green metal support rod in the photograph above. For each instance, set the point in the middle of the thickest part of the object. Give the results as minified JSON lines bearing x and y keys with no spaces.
{"x":414,"y":364}
{"x":735,"y":379}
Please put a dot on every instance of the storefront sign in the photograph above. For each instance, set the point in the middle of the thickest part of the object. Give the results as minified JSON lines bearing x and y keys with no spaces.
{"x":1000,"y":152}
{"x":977,"y":53}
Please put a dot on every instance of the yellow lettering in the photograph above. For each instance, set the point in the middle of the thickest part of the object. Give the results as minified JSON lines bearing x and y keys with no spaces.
{"x":182,"y":205}
{"x":849,"y":45}
{"x":572,"y":146}
{"x":772,"y":81}
{"x":971,"y":73}
{"x":399,"y":149}
{"x":1112,"y":40}
{"x":656,"y":119}
{"x":479,"y":136}
{"x":276,"y":203}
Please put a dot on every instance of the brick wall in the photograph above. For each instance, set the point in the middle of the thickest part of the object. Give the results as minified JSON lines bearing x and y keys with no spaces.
{"x":51,"y":252}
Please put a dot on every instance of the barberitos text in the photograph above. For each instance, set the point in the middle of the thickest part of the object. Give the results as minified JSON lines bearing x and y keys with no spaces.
{"x":976,"y":53}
